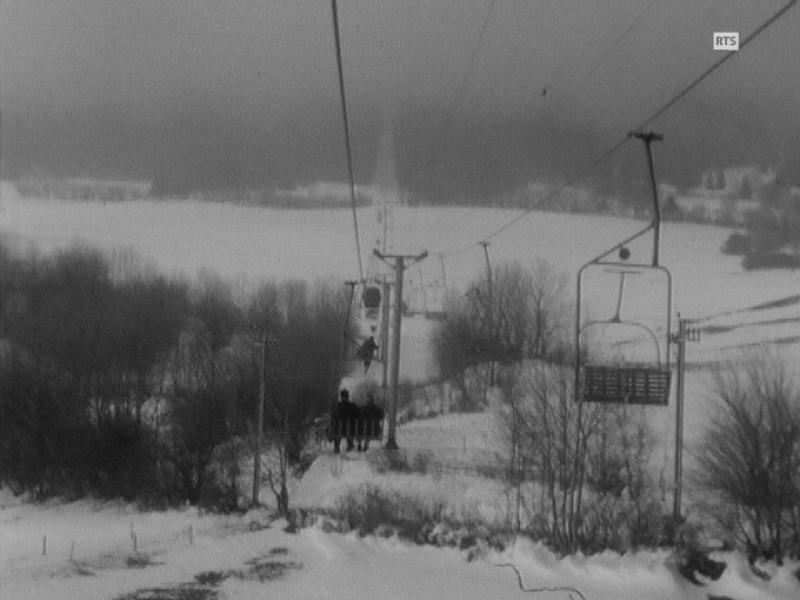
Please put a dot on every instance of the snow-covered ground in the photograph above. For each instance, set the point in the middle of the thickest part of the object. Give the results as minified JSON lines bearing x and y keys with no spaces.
{"x":89,"y":550}
{"x":248,"y":557}
{"x":90,"y":547}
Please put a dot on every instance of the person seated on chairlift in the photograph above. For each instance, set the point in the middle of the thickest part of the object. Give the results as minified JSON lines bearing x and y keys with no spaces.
{"x":371,"y":417}
{"x":366,"y":352}
{"x":348,"y":413}
{"x":344,"y":421}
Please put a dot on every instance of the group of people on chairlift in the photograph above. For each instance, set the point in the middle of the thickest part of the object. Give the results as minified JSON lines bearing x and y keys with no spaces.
{"x":356,"y":424}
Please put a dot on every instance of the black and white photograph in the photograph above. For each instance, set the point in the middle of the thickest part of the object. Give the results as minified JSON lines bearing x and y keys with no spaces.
{"x":399,"y":299}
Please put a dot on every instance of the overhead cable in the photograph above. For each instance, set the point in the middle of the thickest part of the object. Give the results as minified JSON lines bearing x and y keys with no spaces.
{"x":348,"y":146}
{"x":653,"y":116}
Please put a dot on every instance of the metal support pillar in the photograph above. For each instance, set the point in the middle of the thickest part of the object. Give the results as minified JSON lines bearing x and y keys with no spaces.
{"x":648,"y":137}
{"x":399,"y":265}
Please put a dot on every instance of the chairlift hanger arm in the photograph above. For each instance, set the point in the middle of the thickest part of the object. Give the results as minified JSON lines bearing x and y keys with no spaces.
{"x":414,"y":258}
{"x":599,"y":258}
{"x":647,"y":137}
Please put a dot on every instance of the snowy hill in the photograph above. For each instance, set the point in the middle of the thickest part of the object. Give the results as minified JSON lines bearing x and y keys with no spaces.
{"x":106,"y":551}
{"x":187,"y":555}
{"x":247,"y":245}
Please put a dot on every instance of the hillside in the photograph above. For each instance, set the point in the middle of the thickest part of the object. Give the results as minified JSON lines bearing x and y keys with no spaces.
{"x":247,"y":245}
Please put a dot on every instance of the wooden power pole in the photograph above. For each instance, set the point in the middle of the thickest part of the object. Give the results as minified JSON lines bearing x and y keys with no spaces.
{"x":490,"y":311}
{"x":399,"y":265}
{"x":686,"y":333}
{"x":262,"y":393}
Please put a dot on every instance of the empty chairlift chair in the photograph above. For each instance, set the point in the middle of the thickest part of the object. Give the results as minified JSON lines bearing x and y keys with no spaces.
{"x":622,"y":360}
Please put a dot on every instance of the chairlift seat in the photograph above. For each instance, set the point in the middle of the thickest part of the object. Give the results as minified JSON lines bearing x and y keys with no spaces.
{"x":626,"y":384}
{"x":371,"y":297}
{"x":358,"y":429}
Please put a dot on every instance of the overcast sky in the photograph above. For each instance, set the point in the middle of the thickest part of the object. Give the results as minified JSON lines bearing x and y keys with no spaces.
{"x":265,"y":59}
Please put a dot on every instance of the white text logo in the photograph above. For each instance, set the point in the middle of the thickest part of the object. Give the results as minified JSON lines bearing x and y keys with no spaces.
{"x":726,"y":40}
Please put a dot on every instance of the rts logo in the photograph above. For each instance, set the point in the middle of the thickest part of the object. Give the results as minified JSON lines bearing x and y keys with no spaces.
{"x":726,"y":40}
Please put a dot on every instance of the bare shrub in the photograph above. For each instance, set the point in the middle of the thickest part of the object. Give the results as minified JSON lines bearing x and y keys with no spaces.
{"x":749,"y":456}
{"x":368,"y":507}
{"x":521,"y":316}
{"x":586,"y":464}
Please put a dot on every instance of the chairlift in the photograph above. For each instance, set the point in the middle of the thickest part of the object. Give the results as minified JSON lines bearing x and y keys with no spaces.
{"x":371,"y":299}
{"x":631,"y":362}
{"x":436,"y":296}
{"x":361,"y":426}
{"x":363,"y":341}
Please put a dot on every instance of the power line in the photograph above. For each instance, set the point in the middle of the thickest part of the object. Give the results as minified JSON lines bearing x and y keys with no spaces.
{"x":619,"y":39}
{"x":470,"y":67}
{"x":461,"y":92}
{"x":595,"y":163}
{"x":653,"y":116}
{"x":604,"y":55}
{"x":348,"y":147}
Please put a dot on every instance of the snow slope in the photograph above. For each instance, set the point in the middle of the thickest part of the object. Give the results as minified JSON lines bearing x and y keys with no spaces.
{"x":247,"y":245}
{"x":240,"y":242}
{"x":252,"y":558}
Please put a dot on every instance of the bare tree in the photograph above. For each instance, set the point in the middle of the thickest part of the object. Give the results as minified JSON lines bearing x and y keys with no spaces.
{"x":551,"y":430}
{"x":749,"y":456}
{"x":581,"y":471}
{"x":202,"y":417}
{"x":523,"y":317}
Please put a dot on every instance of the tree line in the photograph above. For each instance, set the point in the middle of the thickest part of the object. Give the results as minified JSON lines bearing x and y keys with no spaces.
{"x":118,"y":381}
{"x":770,"y":236}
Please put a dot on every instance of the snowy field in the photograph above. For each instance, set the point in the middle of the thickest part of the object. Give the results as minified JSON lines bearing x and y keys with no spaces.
{"x":247,"y":245}
{"x":90,"y":547}
{"x":185,"y":555}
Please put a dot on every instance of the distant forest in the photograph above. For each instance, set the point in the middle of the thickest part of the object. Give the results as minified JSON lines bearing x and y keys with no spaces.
{"x":439,"y":159}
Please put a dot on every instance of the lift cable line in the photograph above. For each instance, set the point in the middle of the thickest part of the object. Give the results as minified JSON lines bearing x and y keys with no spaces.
{"x":348,"y":146}
{"x":631,"y":26}
{"x":462,"y":88}
{"x":609,"y":50}
{"x":726,"y":56}
{"x":657,"y":113}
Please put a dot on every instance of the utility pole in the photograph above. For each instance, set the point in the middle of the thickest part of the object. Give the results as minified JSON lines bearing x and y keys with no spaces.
{"x":490,"y":310}
{"x":262,"y":392}
{"x":383,"y":349}
{"x":444,"y":272}
{"x":399,"y":266}
{"x":648,"y":137}
{"x":686,"y":333}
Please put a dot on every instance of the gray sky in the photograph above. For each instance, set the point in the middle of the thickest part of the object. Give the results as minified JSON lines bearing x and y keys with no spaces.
{"x":263,"y":59}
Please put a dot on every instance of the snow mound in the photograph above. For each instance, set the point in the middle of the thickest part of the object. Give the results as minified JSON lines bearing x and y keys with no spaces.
{"x":328,"y":479}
